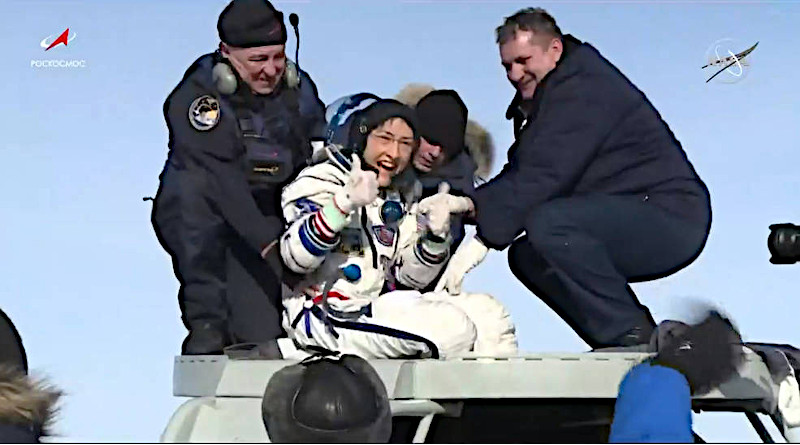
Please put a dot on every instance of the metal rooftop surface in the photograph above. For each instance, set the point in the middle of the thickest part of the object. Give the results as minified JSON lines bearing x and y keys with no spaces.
{"x":550,"y":397}
{"x":581,"y":375}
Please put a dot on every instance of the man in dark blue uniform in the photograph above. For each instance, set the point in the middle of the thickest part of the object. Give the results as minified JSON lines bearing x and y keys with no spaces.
{"x":240,"y":125}
{"x":595,"y":179}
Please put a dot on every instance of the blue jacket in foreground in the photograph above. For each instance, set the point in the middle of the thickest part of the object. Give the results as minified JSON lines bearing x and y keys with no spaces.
{"x":654,"y":405}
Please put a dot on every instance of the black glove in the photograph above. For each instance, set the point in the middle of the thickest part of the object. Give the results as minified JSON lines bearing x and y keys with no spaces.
{"x":707,"y":353}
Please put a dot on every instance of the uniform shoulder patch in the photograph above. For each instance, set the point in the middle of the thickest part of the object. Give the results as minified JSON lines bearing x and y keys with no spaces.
{"x":204,"y":113}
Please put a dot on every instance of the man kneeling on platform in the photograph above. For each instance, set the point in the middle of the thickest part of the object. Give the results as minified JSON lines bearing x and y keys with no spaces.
{"x":347,"y":227}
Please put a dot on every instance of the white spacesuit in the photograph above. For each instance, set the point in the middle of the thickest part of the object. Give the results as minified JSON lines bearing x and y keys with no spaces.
{"x":364,"y":255}
{"x":353,"y":264}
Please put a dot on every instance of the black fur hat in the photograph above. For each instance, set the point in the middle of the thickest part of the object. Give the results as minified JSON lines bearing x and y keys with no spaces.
{"x":707,"y":353}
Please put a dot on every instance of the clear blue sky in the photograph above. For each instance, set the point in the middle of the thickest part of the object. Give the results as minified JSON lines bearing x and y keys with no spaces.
{"x":94,"y":296}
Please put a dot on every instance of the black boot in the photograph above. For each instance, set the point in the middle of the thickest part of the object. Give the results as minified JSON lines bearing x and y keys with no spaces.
{"x":639,"y":335}
{"x":267,"y":350}
{"x":205,"y":338}
{"x":636,"y":339}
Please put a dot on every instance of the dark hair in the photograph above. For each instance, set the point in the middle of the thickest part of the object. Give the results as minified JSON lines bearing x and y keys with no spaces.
{"x":375,"y":115}
{"x":535,"y":20}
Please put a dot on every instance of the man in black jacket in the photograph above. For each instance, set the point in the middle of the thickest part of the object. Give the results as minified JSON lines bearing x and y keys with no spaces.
{"x":453,"y":149}
{"x":595,"y":179}
{"x":240,"y":124}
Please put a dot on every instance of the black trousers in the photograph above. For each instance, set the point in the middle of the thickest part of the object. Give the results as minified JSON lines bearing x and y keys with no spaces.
{"x":580,"y":253}
{"x":228,"y":294}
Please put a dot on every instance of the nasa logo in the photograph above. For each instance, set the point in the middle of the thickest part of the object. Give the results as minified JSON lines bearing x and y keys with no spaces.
{"x":730,"y":66}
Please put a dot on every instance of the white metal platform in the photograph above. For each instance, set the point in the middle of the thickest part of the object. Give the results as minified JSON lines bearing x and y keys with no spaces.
{"x":226,"y":393}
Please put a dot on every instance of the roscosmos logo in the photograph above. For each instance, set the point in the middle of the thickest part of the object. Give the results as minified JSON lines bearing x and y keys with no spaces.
{"x":63,"y":39}
{"x":51,"y":42}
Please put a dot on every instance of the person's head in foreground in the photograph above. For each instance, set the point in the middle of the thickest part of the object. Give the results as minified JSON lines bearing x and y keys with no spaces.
{"x":654,"y":403}
{"x":327,"y":400}
{"x":27,"y":405}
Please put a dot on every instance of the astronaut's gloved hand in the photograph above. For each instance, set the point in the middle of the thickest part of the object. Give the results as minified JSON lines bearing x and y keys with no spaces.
{"x":440,"y":206}
{"x":467,"y":256}
{"x":360,"y":190}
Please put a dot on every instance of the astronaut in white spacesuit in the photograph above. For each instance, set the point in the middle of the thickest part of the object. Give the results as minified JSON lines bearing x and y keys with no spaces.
{"x":356,"y":234}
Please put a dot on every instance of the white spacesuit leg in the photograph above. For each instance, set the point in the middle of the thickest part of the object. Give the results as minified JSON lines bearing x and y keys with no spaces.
{"x":401,"y":324}
{"x":496,"y":334}
{"x":444,"y":324}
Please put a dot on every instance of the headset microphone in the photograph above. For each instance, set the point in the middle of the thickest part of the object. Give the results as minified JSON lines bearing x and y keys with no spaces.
{"x":294,"y":20}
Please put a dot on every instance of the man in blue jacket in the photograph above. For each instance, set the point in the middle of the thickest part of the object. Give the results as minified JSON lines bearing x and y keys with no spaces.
{"x":595,"y":180}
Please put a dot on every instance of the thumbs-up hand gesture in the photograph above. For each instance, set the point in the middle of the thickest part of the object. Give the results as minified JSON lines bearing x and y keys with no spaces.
{"x":440,"y":206}
{"x":360,"y":190}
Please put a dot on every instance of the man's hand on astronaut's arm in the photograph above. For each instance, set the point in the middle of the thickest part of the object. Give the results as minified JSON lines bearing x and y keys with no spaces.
{"x":468,"y":255}
{"x":440,"y":206}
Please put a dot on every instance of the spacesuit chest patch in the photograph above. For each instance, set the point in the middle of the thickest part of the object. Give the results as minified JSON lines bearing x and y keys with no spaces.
{"x":384,"y":235}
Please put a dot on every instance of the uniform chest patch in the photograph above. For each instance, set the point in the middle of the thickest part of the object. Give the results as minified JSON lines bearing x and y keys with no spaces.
{"x":204,"y":113}
{"x":384,"y":235}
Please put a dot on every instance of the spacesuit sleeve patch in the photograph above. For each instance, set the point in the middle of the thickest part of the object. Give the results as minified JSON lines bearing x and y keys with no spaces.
{"x":204,"y":113}
{"x":306,"y":205}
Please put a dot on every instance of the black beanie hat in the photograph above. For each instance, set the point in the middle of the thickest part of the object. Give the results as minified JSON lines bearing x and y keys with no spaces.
{"x":443,"y":120}
{"x":249,"y":23}
{"x":376,"y":114}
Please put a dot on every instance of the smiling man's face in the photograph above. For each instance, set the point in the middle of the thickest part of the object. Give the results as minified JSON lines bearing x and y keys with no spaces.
{"x":528,"y":58}
{"x":260,"y":67}
{"x":428,"y":156}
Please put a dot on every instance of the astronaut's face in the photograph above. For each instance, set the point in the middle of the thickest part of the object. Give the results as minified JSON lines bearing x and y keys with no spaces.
{"x":527,"y":58}
{"x":389,"y":149}
{"x":261,"y":67}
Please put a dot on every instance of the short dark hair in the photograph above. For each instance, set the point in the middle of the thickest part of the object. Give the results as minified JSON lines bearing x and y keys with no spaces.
{"x":535,"y":20}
